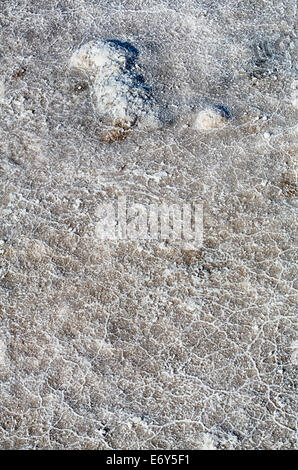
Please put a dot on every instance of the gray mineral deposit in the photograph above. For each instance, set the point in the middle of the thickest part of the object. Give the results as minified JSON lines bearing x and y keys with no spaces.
{"x":148,"y":218}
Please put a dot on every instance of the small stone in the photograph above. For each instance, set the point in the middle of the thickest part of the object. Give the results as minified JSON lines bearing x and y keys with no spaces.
{"x":122,"y":98}
{"x":267,"y":135}
{"x":211,"y":118}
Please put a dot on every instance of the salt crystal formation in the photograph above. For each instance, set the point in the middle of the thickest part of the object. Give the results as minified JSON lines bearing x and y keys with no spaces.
{"x":121,"y":96}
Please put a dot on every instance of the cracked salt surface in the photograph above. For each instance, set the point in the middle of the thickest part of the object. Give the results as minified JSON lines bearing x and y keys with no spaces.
{"x":148,"y":345}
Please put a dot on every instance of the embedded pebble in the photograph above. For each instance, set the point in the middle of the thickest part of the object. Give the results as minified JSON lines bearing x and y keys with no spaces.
{"x":211,"y":118}
{"x":121,"y":96}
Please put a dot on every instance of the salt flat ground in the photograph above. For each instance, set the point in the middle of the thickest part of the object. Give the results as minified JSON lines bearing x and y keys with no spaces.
{"x":148,"y":344}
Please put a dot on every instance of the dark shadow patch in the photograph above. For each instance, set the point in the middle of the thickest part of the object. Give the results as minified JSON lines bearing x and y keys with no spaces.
{"x":225,"y":112}
{"x":131,"y":52}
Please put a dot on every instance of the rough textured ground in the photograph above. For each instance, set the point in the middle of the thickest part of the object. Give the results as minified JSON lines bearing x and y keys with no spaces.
{"x":144,"y":345}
